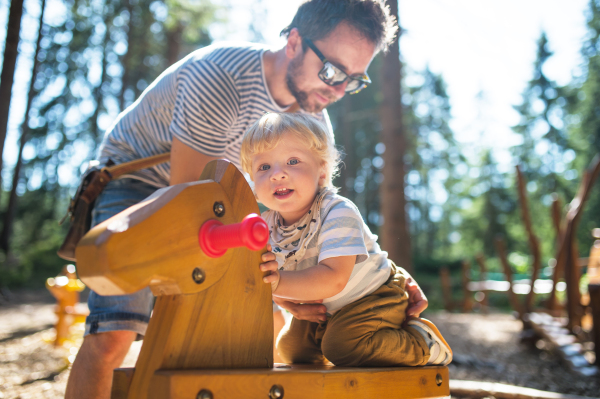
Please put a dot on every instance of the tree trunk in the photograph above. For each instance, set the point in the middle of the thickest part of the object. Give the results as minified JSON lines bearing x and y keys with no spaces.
{"x":9,"y":216}
{"x":98,"y":93}
{"x":126,"y":60}
{"x":174,"y":38}
{"x":11,"y":49}
{"x":394,"y":232}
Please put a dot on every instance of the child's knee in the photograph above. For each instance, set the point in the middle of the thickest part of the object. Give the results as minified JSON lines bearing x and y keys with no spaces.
{"x":342,"y":352}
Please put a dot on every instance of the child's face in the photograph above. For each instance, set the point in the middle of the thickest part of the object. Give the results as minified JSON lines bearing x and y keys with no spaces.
{"x":287,"y":178}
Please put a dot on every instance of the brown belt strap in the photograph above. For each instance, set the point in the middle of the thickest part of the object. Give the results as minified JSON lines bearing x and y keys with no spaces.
{"x":127,"y":167}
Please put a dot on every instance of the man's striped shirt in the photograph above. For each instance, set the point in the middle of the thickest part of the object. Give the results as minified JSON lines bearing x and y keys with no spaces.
{"x":207,"y":100}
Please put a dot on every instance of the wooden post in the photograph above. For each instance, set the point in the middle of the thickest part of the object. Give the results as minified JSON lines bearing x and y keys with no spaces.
{"x":534,"y":245}
{"x":485,"y":303}
{"x":593,"y":273}
{"x":65,"y":288}
{"x":558,"y":271}
{"x":467,"y":304}
{"x":569,"y":250}
{"x":512,"y":297}
{"x":446,"y":288}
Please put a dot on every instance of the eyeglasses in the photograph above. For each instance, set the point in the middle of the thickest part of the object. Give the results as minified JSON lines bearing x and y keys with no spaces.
{"x":333,"y":76}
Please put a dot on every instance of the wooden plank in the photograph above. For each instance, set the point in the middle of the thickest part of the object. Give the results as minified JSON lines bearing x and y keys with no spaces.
{"x":479,"y":389}
{"x":301,"y":382}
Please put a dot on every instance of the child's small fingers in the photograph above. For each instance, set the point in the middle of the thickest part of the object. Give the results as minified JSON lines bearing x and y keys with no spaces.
{"x":268,"y":266}
{"x":267,"y":257}
{"x":270,"y":278}
{"x":269,"y":248}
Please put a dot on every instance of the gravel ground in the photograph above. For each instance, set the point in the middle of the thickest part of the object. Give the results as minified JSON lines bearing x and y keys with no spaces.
{"x":486,"y":348}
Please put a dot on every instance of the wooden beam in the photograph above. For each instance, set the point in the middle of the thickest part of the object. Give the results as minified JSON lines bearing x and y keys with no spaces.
{"x":304,"y":381}
{"x":479,"y":389}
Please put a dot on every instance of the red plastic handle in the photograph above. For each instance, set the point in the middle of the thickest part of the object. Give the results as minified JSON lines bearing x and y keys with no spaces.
{"x":215,"y":238}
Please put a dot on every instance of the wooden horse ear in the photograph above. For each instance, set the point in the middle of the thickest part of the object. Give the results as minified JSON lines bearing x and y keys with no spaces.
{"x":216,"y":170}
{"x":234,"y":184}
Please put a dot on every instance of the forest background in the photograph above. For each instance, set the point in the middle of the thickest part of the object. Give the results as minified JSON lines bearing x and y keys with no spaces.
{"x":90,"y":59}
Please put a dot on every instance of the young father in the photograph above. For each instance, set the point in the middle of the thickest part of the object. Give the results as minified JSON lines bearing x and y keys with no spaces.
{"x":199,"y":109}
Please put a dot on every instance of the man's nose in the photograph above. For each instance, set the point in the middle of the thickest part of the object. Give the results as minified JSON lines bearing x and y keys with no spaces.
{"x":340,"y":90}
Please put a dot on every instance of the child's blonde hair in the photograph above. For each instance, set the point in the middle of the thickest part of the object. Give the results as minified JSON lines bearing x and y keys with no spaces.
{"x":267,"y":132}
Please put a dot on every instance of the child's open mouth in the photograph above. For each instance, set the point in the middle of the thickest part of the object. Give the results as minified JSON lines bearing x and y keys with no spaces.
{"x":283,"y":192}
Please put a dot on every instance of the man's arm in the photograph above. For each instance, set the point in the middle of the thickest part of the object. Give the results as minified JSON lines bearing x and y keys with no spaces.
{"x":186,"y":163}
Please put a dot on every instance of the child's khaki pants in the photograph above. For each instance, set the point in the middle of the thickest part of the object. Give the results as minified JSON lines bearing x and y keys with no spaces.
{"x":367,"y":332}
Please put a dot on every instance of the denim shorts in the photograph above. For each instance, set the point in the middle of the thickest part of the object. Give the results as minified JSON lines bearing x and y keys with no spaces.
{"x":120,"y":312}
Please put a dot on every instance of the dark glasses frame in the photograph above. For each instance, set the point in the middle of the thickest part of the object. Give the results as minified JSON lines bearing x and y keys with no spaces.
{"x":334,"y":76}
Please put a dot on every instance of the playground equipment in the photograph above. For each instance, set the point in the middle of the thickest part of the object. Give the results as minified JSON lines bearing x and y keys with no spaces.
{"x":66,"y":288}
{"x":211,"y":332}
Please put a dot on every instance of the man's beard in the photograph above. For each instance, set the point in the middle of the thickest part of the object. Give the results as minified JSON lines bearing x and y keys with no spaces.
{"x":301,"y":97}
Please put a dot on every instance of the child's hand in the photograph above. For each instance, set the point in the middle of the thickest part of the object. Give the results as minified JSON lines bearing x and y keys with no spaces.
{"x":270,"y":265}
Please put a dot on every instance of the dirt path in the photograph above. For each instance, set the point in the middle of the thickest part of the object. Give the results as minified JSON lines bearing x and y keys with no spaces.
{"x":486,"y":348}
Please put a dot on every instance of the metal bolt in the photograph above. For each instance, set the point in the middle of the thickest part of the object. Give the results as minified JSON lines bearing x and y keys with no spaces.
{"x":219,"y":209}
{"x":198,"y":276}
{"x":276,"y":392}
{"x":439,"y":379}
{"x":204,"y":394}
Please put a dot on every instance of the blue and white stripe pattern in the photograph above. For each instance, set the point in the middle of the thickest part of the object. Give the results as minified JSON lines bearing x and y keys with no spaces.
{"x":207,"y":100}
{"x":344,"y":233}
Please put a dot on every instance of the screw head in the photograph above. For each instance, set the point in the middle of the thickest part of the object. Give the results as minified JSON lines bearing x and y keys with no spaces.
{"x":439,"y":379}
{"x":276,"y":392}
{"x":198,"y":275}
{"x":204,"y":394}
{"x":219,"y":209}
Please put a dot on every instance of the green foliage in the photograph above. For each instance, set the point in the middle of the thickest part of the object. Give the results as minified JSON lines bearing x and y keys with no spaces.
{"x":96,"y":57}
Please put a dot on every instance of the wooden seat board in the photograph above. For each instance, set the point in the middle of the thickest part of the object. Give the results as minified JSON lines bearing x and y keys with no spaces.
{"x":304,"y":382}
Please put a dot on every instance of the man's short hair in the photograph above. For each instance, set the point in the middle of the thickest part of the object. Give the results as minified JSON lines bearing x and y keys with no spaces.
{"x":315,"y":19}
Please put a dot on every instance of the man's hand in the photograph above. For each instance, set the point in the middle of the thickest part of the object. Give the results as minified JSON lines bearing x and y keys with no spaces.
{"x":270,"y":265}
{"x":417,"y":301}
{"x":312,"y":311}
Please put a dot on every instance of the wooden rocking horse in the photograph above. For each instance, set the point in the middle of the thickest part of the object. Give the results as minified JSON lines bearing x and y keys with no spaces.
{"x":211,"y":332}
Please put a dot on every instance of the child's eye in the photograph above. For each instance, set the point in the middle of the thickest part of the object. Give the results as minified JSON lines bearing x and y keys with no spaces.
{"x":264,"y":167}
{"x":293,"y":162}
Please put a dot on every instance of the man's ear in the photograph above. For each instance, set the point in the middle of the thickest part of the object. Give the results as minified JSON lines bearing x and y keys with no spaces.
{"x":294,"y":44}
